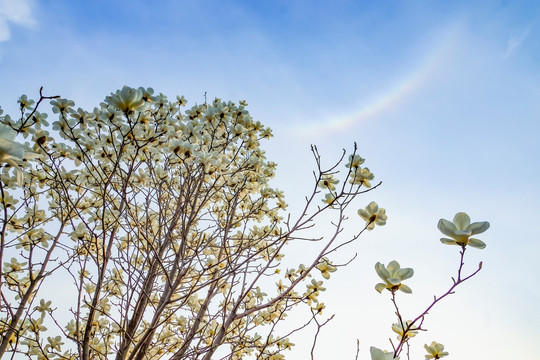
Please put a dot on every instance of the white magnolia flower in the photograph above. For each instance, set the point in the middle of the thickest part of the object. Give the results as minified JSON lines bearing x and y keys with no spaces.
{"x":378,"y":354}
{"x":373,"y":215}
{"x":393,"y":275}
{"x":461,"y":230}
{"x":127,"y":99}
{"x":10,"y":150}
{"x":435,"y":350}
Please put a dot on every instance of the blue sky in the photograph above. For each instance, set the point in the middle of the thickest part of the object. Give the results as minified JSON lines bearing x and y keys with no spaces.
{"x":441,"y":97}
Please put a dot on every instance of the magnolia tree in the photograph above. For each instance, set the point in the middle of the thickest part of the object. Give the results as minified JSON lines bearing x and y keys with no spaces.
{"x":163,"y":227}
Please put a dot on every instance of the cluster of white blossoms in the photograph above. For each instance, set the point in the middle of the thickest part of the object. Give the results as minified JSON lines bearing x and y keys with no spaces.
{"x":165,"y":220}
{"x":138,"y":189}
{"x":460,"y":231}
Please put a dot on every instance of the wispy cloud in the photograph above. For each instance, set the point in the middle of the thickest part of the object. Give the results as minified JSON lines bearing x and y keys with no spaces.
{"x":17,"y":12}
{"x":515,"y":42}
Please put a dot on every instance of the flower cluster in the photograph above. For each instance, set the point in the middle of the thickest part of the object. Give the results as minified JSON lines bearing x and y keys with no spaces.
{"x":140,"y":191}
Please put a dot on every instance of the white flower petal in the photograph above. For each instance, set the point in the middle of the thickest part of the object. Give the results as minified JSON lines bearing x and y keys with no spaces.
{"x":478,"y":227}
{"x":446,"y":227}
{"x":476,"y":243}
{"x":448,"y":241}
{"x":405,"y":289}
{"x":380,"y":287}
{"x":462,"y":220}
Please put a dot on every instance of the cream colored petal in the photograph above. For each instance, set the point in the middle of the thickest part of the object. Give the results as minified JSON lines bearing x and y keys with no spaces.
{"x":378,"y":354}
{"x":448,"y":241}
{"x":462,"y":220}
{"x":476,"y":243}
{"x":7,"y":133}
{"x":405,"y":273}
{"x":478,"y":227}
{"x":380,"y":287}
{"x":393,"y":267}
{"x":381,"y":271}
{"x":446,"y":227}
{"x":11,"y":148}
{"x":373,"y":207}
{"x":405,"y":289}
{"x":363,"y":214}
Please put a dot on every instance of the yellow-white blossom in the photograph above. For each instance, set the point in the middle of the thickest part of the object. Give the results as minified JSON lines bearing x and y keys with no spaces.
{"x":378,"y":354}
{"x":328,"y":182}
{"x":404,"y":331}
{"x":460,"y":231}
{"x":325,"y":267}
{"x":435,"y":350}
{"x":373,"y":215}
{"x":393,"y":275}
{"x":127,"y":100}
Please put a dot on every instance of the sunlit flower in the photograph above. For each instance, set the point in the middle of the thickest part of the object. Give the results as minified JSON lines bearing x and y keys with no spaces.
{"x":328,"y":182}
{"x":127,"y":100}
{"x":9,"y":149}
{"x":62,"y":106}
{"x":44,"y":306}
{"x":54,"y":343}
{"x":461,"y":230}
{"x":435,"y":350}
{"x":329,"y":198}
{"x":318,"y":308}
{"x":83,"y":117}
{"x":373,"y":215}
{"x":181,"y":100}
{"x":313,"y":289}
{"x":404,"y":331}
{"x":362,"y":177}
{"x":12,"y":152}
{"x":284,"y":343}
{"x":147,"y":94}
{"x":354,"y":162}
{"x":36,"y":325}
{"x":325,"y":268}
{"x":13,"y":265}
{"x":8,"y":201}
{"x":378,"y":354}
{"x":24,"y":102}
{"x":393,"y":275}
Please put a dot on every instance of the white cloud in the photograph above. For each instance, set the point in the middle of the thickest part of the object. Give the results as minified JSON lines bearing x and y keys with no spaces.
{"x":17,"y":12}
{"x":515,"y":42}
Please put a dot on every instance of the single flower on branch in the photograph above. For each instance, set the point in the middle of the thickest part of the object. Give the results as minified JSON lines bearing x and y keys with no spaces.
{"x":460,"y":231}
{"x":373,"y":215}
{"x":393,"y":275}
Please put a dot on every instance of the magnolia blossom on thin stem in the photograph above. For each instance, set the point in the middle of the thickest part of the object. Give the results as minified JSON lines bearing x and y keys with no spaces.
{"x":460,"y":230}
{"x":393,"y":275}
{"x":373,"y":215}
{"x":435,"y":350}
